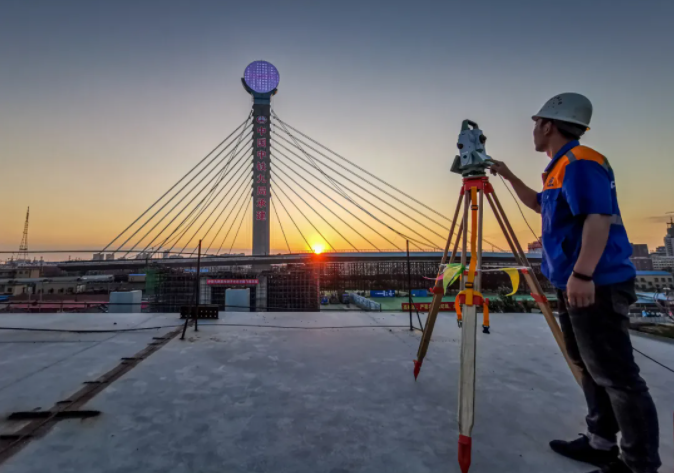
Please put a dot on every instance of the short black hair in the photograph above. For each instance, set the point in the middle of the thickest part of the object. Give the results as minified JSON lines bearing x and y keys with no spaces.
{"x":570,"y":131}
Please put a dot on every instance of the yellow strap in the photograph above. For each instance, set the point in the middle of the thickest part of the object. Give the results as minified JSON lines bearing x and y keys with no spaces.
{"x":514,"y":274}
{"x":470,"y":280}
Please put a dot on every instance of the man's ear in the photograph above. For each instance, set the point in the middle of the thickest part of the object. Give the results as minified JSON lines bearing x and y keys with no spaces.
{"x":547,"y":128}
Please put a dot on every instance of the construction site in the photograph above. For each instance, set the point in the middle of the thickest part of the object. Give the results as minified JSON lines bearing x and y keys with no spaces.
{"x":189,"y":343}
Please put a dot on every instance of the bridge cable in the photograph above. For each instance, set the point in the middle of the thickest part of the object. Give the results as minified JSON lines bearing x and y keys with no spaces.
{"x":179,"y":181}
{"x":242,"y":163}
{"x":337,"y":187}
{"x":241,"y":195}
{"x":186,"y":195}
{"x":244,"y":202}
{"x":307,"y":219}
{"x":211,"y":196}
{"x":433,"y":244}
{"x":318,"y":213}
{"x":364,"y":170}
{"x":362,"y":178}
{"x":209,"y":173}
{"x":202,"y":209}
{"x":179,"y":213}
{"x":328,"y":208}
{"x":240,"y":181}
{"x":376,"y":187}
{"x":368,"y":190}
{"x":292,"y":220}
{"x":278,"y":219}
{"x":243,"y":216}
{"x":198,"y":207}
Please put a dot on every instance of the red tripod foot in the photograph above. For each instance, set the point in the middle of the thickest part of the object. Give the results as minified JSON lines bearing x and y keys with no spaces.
{"x":465,"y":447}
{"x":417,"y":368}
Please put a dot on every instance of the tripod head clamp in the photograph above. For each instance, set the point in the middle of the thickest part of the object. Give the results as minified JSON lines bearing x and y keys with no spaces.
{"x":473,"y":159}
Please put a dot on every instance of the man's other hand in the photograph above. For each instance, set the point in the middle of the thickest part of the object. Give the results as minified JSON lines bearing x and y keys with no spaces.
{"x":499,"y":167}
{"x":580,"y":293}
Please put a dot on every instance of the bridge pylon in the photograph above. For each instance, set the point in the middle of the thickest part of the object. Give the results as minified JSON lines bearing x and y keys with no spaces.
{"x":260,"y":80}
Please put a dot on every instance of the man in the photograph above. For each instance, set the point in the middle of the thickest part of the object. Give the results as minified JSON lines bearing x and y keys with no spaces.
{"x":586,"y":257}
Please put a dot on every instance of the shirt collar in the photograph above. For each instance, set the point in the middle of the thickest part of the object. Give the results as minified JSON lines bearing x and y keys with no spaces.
{"x":565,"y":149}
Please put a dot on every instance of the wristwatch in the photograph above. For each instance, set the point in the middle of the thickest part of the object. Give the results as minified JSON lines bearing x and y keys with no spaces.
{"x":582,"y":277}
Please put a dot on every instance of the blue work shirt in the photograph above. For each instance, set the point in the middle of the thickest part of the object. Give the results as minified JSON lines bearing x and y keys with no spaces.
{"x":579,"y":182}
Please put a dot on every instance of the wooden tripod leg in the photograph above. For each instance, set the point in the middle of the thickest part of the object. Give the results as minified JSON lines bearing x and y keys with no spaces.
{"x":532,"y":282}
{"x":437,"y":297}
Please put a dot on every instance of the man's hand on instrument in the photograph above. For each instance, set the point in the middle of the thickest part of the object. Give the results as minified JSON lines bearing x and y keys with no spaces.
{"x":499,"y":167}
{"x":579,"y":293}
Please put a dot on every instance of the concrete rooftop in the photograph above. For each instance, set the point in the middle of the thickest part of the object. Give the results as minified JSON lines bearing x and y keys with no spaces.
{"x":263,"y":399}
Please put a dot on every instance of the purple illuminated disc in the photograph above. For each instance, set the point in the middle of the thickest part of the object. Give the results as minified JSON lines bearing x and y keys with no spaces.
{"x":261,"y":76}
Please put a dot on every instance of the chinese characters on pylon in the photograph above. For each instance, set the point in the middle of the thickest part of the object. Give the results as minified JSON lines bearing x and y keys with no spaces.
{"x":261,"y":167}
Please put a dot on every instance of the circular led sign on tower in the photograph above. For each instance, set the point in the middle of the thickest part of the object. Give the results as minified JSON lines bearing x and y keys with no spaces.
{"x":261,"y":76}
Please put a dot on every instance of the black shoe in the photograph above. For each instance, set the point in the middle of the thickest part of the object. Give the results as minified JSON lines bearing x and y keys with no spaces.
{"x":581,"y":451}
{"x":616,"y":466}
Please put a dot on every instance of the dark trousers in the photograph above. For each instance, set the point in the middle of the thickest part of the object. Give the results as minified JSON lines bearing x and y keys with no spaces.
{"x":598,"y":342}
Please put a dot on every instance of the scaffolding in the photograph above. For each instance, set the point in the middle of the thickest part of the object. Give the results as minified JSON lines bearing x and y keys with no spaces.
{"x":293,"y":288}
{"x":392,"y":275}
{"x":298,"y":287}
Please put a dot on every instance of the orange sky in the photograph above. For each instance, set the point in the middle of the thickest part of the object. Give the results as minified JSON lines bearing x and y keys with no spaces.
{"x":103,"y":110}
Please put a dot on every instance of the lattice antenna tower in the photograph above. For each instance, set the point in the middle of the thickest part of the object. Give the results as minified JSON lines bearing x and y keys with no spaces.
{"x":23,"y":247}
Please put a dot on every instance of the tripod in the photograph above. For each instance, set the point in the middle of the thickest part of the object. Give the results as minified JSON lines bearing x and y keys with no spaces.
{"x":475,"y":188}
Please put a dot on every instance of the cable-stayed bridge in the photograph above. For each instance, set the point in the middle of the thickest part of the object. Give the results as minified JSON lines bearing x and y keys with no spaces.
{"x":268,"y":177}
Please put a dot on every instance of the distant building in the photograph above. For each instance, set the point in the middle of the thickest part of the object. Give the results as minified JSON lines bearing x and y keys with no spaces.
{"x":98,"y":257}
{"x":662,"y":263}
{"x":669,"y":239}
{"x":110,"y":257}
{"x":535,"y":247}
{"x":660,"y":250}
{"x":27,"y":272}
{"x":641,"y":258}
{"x":642,"y":264}
{"x":653,"y":281}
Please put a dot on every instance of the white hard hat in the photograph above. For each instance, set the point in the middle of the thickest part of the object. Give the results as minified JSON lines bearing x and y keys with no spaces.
{"x":568,"y":107}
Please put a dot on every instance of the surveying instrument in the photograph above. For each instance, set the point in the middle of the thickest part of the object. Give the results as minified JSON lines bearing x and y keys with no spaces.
{"x":472,"y":163}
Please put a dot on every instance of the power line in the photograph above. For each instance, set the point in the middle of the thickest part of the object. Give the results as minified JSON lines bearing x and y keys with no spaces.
{"x":179,"y":181}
